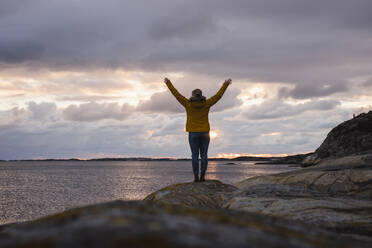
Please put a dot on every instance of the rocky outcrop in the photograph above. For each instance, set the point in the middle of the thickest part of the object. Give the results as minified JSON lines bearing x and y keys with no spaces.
{"x":210,"y":194}
{"x":149,"y":224}
{"x":335,"y":194}
{"x":327,"y":205}
{"x":349,"y":176}
{"x":352,"y":137}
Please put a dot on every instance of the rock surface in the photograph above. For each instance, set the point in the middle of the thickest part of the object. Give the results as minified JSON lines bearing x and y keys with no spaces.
{"x":352,"y":137}
{"x":292,"y":159}
{"x":211,"y":194}
{"x":349,"y":176}
{"x":148,"y":224}
{"x":335,"y":194}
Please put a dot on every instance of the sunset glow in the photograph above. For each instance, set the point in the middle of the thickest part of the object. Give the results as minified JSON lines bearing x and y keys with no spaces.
{"x":234,"y":155}
{"x":271,"y":134}
{"x":213,"y":134}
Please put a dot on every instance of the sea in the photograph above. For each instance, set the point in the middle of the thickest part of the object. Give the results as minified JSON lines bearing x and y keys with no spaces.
{"x":33,"y":189}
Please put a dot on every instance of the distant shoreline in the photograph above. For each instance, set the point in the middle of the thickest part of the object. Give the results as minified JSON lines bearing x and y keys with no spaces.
{"x":144,"y":159}
{"x":264,"y":160}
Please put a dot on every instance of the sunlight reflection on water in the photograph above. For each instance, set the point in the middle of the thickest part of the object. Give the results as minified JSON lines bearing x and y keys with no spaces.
{"x":33,"y":189}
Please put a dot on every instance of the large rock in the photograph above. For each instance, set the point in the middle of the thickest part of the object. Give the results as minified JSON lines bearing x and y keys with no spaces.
{"x":349,"y":176}
{"x":148,"y":224}
{"x":336,"y":194}
{"x":341,"y":214}
{"x":352,"y":137}
{"x":211,"y":194}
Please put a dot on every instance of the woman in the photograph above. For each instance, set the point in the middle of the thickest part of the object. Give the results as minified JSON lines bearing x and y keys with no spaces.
{"x":197,"y":124}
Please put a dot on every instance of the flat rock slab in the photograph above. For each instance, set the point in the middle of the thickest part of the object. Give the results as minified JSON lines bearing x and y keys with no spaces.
{"x":149,"y":224}
{"x":335,"y":194}
{"x":341,"y":214}
{"x":210,"y":194}
{"x":334,"y":180}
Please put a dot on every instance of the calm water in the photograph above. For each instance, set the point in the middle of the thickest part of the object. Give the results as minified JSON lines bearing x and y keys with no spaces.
{"x":33,"y":189}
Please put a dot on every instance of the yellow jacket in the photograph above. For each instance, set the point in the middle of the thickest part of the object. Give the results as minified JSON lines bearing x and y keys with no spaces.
{"x":197,"y":111}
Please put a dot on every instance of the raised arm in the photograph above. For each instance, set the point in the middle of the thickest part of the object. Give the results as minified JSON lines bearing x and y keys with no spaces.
{"x":214,"y":99}
{"x":180,"y":98}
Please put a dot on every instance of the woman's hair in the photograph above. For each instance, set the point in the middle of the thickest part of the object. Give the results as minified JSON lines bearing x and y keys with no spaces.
{"x":196,"y":95}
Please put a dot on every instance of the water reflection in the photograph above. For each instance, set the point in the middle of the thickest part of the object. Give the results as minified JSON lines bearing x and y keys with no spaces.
{"x":212,"y":171}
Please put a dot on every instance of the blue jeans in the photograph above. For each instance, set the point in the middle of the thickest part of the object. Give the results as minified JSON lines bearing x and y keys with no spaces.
{"x":199,"y":142}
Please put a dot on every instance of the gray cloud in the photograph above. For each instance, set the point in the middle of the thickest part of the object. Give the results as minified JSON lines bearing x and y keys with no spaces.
{"x":161,"y":102}
{"x":302,"y":91}
{"x":43,"y":112}
{"x":93,"y":111}
{"x":298,"y":42}
{"x":165,"y":102}
{"x":228,"y":101}
{"x":273,"y":109}
{"x":19,"y":51}
{"x":87,"y":98}
{"x":8,"y":7}
{"x":162,"y":134}
{"x":368,"y":82}
{"x":182,"y":27}
{"x":13,"y":116}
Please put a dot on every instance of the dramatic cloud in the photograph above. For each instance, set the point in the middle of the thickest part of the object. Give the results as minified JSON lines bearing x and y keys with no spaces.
{"x":161,"y":102}
{"x":13,"y":116}
{"x":165,"y":102}
{"x":43,"y":112}
{"x":368,"y":82}
{"x":81,"y":78}
{"x":273,"y":109}
{"x":303,"y":91}
{"x":93,"y":111}
{"x":182,"y":27}
{"x":248,"y":39}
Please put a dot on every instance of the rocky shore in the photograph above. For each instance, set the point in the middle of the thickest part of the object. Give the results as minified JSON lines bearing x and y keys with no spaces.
{"x":335,"y":194}
{"x":326,"y":204}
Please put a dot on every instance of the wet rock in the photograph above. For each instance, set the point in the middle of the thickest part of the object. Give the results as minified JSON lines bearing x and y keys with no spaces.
{"x":211,"y":194}
{"x":149,"y":224}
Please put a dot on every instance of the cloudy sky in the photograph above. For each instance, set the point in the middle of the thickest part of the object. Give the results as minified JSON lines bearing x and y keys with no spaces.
{"x":84,"y":78}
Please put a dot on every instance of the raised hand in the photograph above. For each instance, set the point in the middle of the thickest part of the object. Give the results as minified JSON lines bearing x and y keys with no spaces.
{"x":166,"y":80}
{"x":228,"y":81}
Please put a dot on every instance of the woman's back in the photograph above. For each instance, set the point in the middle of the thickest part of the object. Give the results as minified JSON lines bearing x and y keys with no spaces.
{"x":197,"y":116}
{"x":197,"y":111}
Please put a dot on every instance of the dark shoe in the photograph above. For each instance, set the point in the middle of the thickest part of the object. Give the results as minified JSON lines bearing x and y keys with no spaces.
{"x":202,"y":178}
{"x":196,"y":178}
